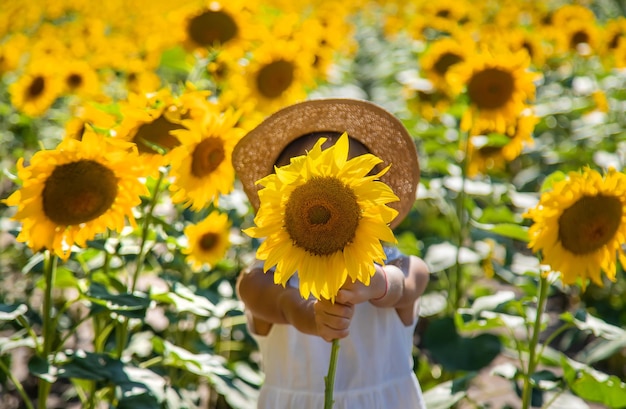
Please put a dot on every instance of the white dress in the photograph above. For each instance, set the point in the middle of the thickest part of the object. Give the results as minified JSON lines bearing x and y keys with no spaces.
{"x":374,"y":365}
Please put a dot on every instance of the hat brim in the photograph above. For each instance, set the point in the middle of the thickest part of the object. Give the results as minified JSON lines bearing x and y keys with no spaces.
{"x":381,"y":133}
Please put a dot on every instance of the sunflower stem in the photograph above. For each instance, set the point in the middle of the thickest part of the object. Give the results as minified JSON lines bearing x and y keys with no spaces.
{"x":50,"y":263}
{"x":533,"y":357}
{"x":18,"y":385}
{"x":457,"y":280}
{"x":144,"y":232}
{"x":329,"y":379}
{"x":122,"y":335}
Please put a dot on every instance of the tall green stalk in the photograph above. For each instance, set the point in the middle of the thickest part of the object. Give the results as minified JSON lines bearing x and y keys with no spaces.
{"x":48,"y":330}
{"x":122,"y":333}
{"x":533,"y":357}
{"x":329,"y":379}
{"x":456,"y":285}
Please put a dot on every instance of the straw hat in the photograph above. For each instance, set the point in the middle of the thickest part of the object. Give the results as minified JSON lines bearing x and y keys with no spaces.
{"x":381,"y":133}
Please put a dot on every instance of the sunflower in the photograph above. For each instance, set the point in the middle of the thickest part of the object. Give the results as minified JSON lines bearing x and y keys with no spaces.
{"x":219,"y":25}
{"x":444,"y":16}
{"x":498,"y":88}
{"x":485,"y":154}
{"x":147,"y":122}
{"x":279,"y":74}
{"x":582,"y":37}
{"x":80,"y":78}
{"x":579,"y":226}
{"x":427,"y":103}
{"x":614,"y":33}
{"x":529,"y":41}
{"x":11,"y":52}
{"x":326,"y":33}
{"x":36,"y":90}
{"x":568,"y":13}
{"x":207,"y":240}
{"x":76,"y":191}
{"x":324,"y":217}
{"x":600,"y":101}
{"x":87,"y":115}
{"x":201,"y":166}
{"x":440,"y":56}
{"x":619,"y":56}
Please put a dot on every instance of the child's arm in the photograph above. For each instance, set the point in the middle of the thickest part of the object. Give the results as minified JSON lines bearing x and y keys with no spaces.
{"x":398,"y":285}
{"x":269,"y":303}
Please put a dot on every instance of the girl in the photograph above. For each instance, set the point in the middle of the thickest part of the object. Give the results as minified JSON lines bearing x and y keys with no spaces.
{"x":376,"y":322}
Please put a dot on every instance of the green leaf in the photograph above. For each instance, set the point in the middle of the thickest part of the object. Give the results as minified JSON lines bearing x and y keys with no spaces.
{"x":551,"y":179}
{"x":492,"y":140}
{"x":593,"y":385}
{"x":443,"y":255}
{"x":135,"y":386}
{"x":490,"y":302}
{"x":408,"y":244}
{"x":12,"y":312}
{"x":600,"y":349}
{"x":497,"y":214}
{"x":65,"y":278}
{"x":443,"y":396}
{"x":40,"y":368}
{"x":184,"y":300}
{"x":510,"y":230}
{"x":176,"y":59}
{"x":16,"y":341}
{"x":200,"y":364}
{"x":457,"y":353}
{"x":129,"y":305}
{"x":597,"y":326}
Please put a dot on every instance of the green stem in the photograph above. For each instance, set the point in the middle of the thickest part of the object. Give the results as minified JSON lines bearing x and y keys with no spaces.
{"x":122,"y":335}
{"x":329,"y":379}
{"x":30,"y":331}
{"x":50,"y":263}
{"x":533,"y":357}
{"x":144,"y":232}
{"x":457,"y":282}
{"x":18,"y":385}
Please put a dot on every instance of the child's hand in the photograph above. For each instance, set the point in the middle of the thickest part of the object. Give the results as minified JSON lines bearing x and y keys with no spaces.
{"x":332,"y":319}
{"x":357,"y":292}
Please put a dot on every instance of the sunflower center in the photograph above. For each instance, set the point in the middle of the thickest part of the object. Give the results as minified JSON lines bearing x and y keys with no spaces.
{"x":446,"y":61}
{"x":490,"y":151}
{"x":207,"y":156}
{"x":579,"y":37}
{"x":529,"y":48}
{"x":319,"y":215}
{"x":212,"y":27}
{"x":208,"y":241}
{"x":155,"y":135}
{"x":78,"y":192}
{"x":36,"y":87}
{"x":615,"y":40}
{"x":322,"y":216}
{"x":491,"y":88}
{"x":74,"y":81}
{"x":590,"y":223}
{"x":274,"y":78}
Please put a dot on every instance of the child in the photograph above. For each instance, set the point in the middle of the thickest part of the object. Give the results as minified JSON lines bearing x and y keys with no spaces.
{"x":375,"y":323}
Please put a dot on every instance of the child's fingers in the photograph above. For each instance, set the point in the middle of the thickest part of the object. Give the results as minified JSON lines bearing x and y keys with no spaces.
{"x":332,"y":319}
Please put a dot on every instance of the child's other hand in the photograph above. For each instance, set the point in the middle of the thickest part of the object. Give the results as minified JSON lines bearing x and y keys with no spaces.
{"x":332,"y":319}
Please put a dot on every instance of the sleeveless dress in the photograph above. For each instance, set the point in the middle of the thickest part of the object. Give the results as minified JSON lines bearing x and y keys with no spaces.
{"x":374,"y":365}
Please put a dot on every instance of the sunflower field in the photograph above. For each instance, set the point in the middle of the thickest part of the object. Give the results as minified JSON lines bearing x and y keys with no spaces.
{"x":121,"y":216}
